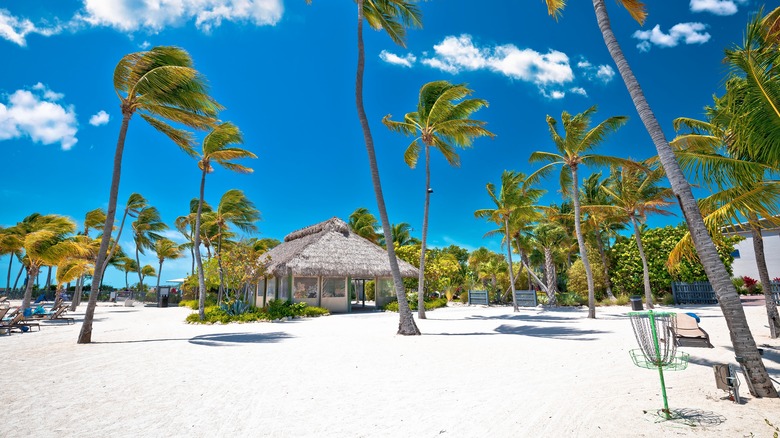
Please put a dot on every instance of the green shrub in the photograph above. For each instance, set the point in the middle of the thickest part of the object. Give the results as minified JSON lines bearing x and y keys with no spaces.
{"x":370,"y":290}
{"x":464,"y":297}
{"x":313,"y":311}
{"x":570,"y":299}
{"x":429,"y":305}
{"x":578,"y":281}
{"x":622,"y":300}
{"x":192,"y":304}
{"x":667,"y":300}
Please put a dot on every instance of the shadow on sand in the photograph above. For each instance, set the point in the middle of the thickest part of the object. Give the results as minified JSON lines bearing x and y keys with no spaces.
{"x":224,"y":339}
{"x":535,"y":331}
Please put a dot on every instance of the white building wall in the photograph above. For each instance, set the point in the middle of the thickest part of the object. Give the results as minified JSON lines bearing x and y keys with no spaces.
{"x":745,"y":265}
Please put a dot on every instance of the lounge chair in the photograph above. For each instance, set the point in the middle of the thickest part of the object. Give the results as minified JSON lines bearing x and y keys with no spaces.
{"x":57,"y":315}
{"x":689,"y":334}
{"x":4,"y":299}
{"x":18,"y":323}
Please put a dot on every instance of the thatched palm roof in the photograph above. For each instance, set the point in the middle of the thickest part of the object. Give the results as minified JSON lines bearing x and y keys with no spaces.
{"x":330,"y":248}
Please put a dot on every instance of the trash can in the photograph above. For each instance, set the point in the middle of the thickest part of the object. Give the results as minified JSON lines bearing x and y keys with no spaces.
{"x":636,"y":302}
{"x":164,"y":301}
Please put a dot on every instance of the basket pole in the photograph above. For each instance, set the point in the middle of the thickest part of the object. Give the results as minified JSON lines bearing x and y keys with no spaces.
{"x":651,"y":316}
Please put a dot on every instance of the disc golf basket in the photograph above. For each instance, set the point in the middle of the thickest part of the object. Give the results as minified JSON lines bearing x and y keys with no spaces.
{"x":655,"y":333}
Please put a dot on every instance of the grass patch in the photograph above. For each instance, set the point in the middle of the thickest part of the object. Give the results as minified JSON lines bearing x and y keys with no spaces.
{"x":429,"y":305}
{"x":276,"y":309}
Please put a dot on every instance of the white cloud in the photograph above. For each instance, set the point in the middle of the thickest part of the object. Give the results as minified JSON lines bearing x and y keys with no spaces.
{"x":603,"y":73}
{"x":154,"y":15}
{"x":16,"y":29}
{"x":689,"y":33}
{"x":33,"y":114}
{"x":717,"y":7}
{"x":145,"y":45}
{"x":392,"y":58}
{"x":101,"y":118}
{"x":456,"y":54}
{"x":579,"y":90}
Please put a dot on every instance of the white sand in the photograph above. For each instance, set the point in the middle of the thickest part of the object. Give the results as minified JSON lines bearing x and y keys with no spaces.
{"x":476,"y":372}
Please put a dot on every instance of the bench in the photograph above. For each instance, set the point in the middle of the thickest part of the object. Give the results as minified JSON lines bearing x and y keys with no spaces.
{"x":699,"y":292}
{"x":526,"y":298}
{"x":479,"y":297}
{"x":776,"y":291}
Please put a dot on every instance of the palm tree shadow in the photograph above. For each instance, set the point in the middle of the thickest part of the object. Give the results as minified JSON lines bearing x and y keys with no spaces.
{"x":557,"y":332}
{"x":524,"y":317}
{"x":226,"y":339}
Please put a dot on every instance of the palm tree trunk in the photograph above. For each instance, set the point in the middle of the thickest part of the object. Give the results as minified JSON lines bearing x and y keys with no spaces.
{"x":603,"y":255}
{"x":421,"y":277}
{"x":406,"y":324}
{"x":32,"y":273}
{"x":766,"y":284}
{"x":18,"y":276}
{"x":219,"y":266}
{"x":85,"y":335}
{"x":575,"y":197}
{"x":645,"y":267}
{"x":112,"y":251}
{"x":741,"y":337}
{"x":159,"y":274}
{"x":48,"y":282}
{"x":196,"y":248}
{"x":536,"y":279}
{"x":74,"y":303}
{"x":552,"y":280}
{"x":10,"y":266}
{"x":140,"y":275}
{"x":515,"y":308}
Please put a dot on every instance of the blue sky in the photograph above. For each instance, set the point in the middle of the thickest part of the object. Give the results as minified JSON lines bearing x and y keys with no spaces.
{"x":285,"y":72}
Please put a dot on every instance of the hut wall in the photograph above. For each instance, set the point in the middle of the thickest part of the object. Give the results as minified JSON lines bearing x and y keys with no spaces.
{"x":306,"y":290}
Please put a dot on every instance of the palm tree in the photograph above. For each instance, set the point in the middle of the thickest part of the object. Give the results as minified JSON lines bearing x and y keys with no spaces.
{"x":548,"y":236}
{"x":510,"y":201}
{"x":146,"y":231}
{"x":162,"y":85}
{"x":402,"y":235}
{"x":598,"y":219}
{"x":45,"y":243}
{"x":166,"y":249}
{"x":742,"y":188}
{"x":145,"y":271}
{"x":93,"y":219}
{"x":234,"y":209}
{"x":442,"y":121}
{"x":10,"y":244}
{"x":392,"y":16}
{"x":364,"y":224}
{"x":186,"y":226}
{"x":573,"y":150}
{"x":126,"y":265}
{"x":728,"y":298}
{"x":76,"y":265}
{"x":217,"y":148}
{"x":635,"y":193}
{"x":135,"y":203}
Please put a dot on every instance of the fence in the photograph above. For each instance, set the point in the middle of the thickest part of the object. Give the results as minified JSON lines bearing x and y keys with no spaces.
{"x":701,"y":292}
{"x":526,"y":298}
{"x":479,"y":297}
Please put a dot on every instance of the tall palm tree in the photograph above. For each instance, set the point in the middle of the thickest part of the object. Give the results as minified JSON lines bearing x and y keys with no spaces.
{"x":80,"y":263}
{"x":511,"y":200}
{"x":146,"y":231}
{"x":217,"y":148}
{"x":145,"y":271}
{"x":392,"y":16}
{"x":93,"y":219}
{"x":364,"y":224}
{"x":135,"y":203}
{"x":126,"y":265}
{"x":442,"y":121}
{"x":635,"y":193}
{"x":162,"y":86}
{"x":166,"y":249}
{"x":45,"y":243}
{"x":402,"y":235}
{"x":741,"y":337}
{"x":235,"y":209}
{"x":574,"y":147}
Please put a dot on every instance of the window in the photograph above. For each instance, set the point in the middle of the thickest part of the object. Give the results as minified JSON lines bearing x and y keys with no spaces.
{"x":735,"y":254}
{"x":305,"y":287}
{"x":271,"y":293}
{"x":333,"y":288}
{"x":260,"y":287}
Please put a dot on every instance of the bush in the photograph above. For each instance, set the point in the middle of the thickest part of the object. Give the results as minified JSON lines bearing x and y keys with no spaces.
{"x":429,"y":305}
{"x":211,"y":300}
{"x":277,"y":309}
{"x":370,"y":290}
{"x":622,"y":300}
{"x":578,"y":281}
{"x":570,"y":299}
{"x":464,"y":297}
{"x":667,"y":300}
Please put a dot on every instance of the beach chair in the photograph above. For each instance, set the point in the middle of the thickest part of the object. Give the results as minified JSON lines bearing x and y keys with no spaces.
{"x":18,"y":323}
{"x":57,"y":315}
{"x":689,"y":334}
{"x":4,"y":299}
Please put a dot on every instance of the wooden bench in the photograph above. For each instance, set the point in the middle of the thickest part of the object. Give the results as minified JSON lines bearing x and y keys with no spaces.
{"x":526,"y":298}
{"x":699,"y":292}
{"x":479,"y":297}
{"x":776,"y":291}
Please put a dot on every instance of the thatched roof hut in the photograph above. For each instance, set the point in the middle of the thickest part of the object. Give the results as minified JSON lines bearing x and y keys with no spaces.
{"x":330,"y":248}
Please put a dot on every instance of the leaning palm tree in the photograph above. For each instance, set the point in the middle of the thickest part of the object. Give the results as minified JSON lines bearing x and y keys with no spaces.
{"x":11,"y":244}
{"x":217,"y":148}
{"x":510,"y":201}
{"x":443,"y":122}
{"x":574,"y":147}
{"x":728,"y":298}
{"x":392,"y":16}
{"x":166,"y":249}
{"x":77,"y":264}
{"x":364,"y":224}
{"x":46,"y":243}
{"x":186,"y":226}
{"x":234,"y":209}
{"x":635,"y":194}
{"x":126,"y":265}
{"x":547,"y":236}
{"x":744,"y":189}
{"x":146,"y":232}
{"x":162,"y":85}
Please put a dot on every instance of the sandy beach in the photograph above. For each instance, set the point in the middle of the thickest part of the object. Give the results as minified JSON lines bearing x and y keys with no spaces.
{"x":476,"y":372}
